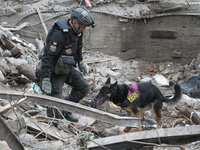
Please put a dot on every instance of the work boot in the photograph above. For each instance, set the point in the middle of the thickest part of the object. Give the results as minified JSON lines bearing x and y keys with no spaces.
{"x":66,"y":114}
{"x":68,"y":98}
{"x":53,"y":111}
{"x":69,"y":116}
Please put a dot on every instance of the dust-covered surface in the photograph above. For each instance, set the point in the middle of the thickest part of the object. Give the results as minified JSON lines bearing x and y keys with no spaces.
{"x":123,"y":28}
{"x":100,"y":67}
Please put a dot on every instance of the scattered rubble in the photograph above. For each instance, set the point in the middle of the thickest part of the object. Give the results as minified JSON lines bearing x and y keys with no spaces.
{"x":29,"y":128}
{"x":29,"y":123}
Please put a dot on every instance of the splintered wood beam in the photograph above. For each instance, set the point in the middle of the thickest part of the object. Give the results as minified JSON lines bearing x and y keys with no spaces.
{"x":24,"y":24}
{"x":192,"y":115}
{"x":11,"y":105}
{"x":144,"y":138}
{"x":43,"y":24}
{"x":45,"y":100}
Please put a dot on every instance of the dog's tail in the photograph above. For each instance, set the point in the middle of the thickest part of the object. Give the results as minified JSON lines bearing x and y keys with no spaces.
{"x":177,"y":96}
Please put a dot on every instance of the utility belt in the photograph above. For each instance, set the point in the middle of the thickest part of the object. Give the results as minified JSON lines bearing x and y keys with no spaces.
{"x":63,"y":66}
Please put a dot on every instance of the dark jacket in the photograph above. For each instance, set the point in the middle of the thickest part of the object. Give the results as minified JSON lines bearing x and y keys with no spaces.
{"x":61,"y":40}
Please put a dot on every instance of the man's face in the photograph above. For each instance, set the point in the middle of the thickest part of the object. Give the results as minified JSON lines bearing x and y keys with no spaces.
{"x":76,"y":26}
{"x":82,"y":28}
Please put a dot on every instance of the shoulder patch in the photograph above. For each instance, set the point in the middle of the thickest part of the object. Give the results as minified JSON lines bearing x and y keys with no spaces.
{"x":53,"y":47}
{"x":68,"y":50}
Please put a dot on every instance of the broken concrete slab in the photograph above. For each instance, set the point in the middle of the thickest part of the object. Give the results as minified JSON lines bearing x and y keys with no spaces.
{"x":160,"y":80}
{"x":16,"y":125}
{"x":28,"y":139}
{"x":8,"y":136}
{"x":45,"y":100}
{"x":131,"y":140}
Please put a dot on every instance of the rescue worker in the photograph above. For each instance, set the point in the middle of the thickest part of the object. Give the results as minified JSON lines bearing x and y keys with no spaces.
{"x":61,"y":54}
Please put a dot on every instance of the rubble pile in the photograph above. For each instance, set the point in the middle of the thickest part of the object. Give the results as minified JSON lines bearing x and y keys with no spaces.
{"x":35,"y":130}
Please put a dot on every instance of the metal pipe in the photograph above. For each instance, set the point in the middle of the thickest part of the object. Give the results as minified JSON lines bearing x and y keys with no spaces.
{"x":47,"y":101}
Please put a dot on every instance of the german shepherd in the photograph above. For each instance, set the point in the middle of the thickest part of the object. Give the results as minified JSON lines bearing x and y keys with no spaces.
{"x":144,"y":96}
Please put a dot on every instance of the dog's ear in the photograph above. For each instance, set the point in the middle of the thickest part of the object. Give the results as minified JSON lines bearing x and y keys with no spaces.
{"x":113,"y":86}
{"x":108,"y":81}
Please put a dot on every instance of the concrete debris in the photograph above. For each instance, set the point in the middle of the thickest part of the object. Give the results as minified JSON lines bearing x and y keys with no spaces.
{"x":4,"y":145}
{"x":24,"y":119}
{"x":33,"y":117}
{"x":160,"y":80}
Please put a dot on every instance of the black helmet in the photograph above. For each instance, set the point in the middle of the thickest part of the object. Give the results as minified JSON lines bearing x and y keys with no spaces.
{"x":83,"y":15}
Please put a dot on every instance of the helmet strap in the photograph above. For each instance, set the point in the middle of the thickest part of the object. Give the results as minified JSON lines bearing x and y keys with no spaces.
{"x":77,"y":30}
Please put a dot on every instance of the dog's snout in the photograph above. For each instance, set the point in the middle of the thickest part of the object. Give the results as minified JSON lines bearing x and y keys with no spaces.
{"x":93,"y":104}
{"x":96,"y":97}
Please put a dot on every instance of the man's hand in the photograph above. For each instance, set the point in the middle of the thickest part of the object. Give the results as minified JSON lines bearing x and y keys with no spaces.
{"x":46,"y":85}
{"x":82,"y":67}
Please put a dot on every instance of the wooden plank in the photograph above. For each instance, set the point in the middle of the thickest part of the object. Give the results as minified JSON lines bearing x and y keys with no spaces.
{"x":95,"y":59}
{"x":77,"y":108}
{"x":126,"y":141}
{"x":24,"y":24}
{"x":11,"y":105}
{"x":43,"y":24}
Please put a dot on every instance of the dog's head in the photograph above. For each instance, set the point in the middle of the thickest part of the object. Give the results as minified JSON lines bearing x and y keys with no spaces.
{"x":105,"y":92}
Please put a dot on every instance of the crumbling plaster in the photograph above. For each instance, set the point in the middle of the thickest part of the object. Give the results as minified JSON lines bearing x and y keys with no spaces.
{"x":126,"y":40}
{"x":107,"y":37}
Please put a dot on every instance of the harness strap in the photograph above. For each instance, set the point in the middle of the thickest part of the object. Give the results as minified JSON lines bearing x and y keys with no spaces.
{"x":132,"y":96}
{"x":132,"y":87}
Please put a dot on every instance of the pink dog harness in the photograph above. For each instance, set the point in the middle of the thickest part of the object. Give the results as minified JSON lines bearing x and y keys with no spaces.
{"x":134,"y":86}
{"x":134,"y":95}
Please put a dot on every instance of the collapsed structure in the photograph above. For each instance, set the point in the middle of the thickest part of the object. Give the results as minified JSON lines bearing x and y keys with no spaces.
{"x":171,"y":55}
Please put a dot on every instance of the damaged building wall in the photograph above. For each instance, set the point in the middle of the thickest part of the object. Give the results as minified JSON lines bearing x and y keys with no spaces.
{"x":176,"y":40}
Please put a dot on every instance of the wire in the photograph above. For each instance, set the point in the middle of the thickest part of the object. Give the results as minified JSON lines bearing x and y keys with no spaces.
{"x":123,"y":16}
{"x":44,"y":11}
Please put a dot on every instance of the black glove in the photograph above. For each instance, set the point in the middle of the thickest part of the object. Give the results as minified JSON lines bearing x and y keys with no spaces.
{"x":82,"y":67}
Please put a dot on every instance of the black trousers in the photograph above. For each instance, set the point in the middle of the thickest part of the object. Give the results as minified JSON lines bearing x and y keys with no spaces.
{"x":80,"y":87}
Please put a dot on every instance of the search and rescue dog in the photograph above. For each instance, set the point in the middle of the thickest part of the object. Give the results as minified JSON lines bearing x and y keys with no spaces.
{"x":136,"y":98}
